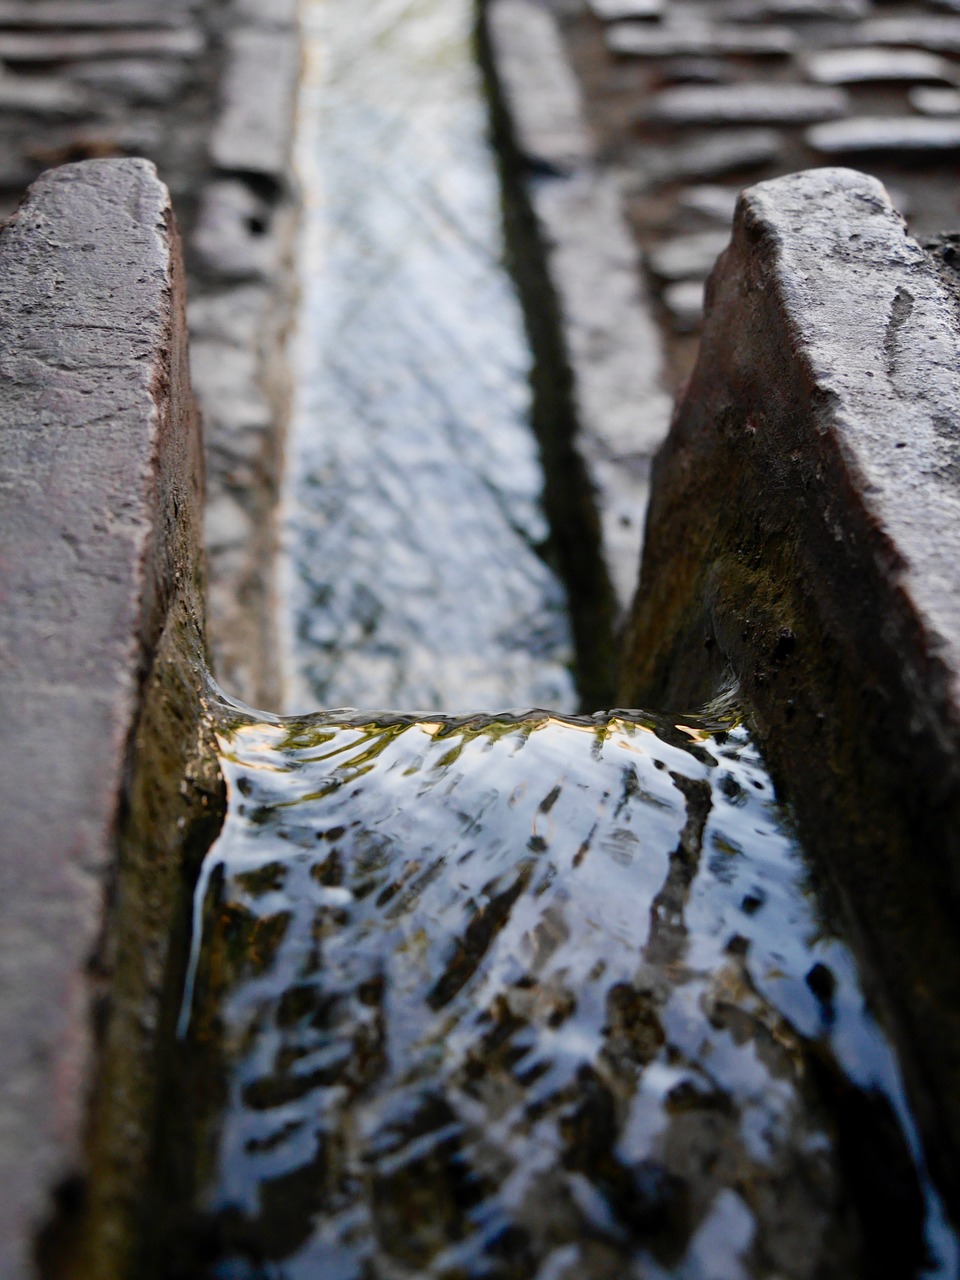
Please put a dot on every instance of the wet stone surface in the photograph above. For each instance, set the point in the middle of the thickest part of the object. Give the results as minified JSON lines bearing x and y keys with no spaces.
{"x":529,"y":996}
{"x":413,"y":526}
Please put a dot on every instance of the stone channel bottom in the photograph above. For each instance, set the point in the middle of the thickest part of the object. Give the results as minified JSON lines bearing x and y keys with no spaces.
{"x":529,"y":995}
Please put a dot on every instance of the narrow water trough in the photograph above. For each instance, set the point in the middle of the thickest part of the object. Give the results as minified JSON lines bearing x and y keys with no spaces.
{"x":456,"y":991}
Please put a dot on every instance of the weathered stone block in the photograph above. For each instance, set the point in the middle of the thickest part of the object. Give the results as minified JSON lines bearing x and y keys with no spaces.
{"x":803,"y":541}
{"x":100,"y":476}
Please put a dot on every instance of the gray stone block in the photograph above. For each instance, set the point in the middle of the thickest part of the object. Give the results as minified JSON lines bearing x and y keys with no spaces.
{"x":803,"y":544}
{"x":58,"y":45}
{"x":864,"y":134}
{"x":881,"y":65}
{"x":254,"y":130}
{"x":99,"y":496}
{"x":746,"y":104}
{"x":698,"y":39}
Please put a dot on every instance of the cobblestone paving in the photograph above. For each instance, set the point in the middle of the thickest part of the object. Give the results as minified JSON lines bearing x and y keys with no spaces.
{"x":89,"y":78}
{"x":693,"y":99}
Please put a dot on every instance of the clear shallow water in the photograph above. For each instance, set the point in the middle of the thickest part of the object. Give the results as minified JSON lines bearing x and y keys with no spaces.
{"x":531,"y":996}
{"x":412,"y":494}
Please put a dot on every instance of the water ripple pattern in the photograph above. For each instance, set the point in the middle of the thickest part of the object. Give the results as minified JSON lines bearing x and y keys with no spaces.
{"x":544,"y":997}
{"x":412,"y":504}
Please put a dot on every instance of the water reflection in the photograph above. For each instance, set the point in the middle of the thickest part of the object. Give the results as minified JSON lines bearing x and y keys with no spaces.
{"x":532,"y":996}
{"x":412,"y":492}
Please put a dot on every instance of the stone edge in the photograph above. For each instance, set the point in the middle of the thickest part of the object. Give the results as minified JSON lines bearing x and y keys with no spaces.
{"x":802,"y":544}
{"x":95,"y":400}
{"x":600,"y":407}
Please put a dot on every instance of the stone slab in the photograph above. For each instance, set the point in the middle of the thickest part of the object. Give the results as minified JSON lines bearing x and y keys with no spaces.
{"x":891,"y":134}
{"x":745,"y":104}
{"x":58,"y":45}
{"x":688,"y":257}
{"x":618,"y":10}
{"x":640,"y":40}
{"x":803,"y":545}
{"x":777,"y":10}
{"x":882,"y":65}
{"x":608,"y":334}
{"x":99,"y":488}
{"x":918,"y":31}
{"x":935,"y":101}
{"x":253,"y":132}
{"x":92,"y":13}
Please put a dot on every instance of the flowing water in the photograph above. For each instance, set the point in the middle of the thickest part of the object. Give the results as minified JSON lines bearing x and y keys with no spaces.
{"x":411,"y":565}
{"x":530,"y":996}
{"x":493,"y":995}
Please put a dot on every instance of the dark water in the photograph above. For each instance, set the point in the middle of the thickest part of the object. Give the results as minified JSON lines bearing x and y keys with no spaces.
{"x":411,"y":566}
{"x":532,"y":996}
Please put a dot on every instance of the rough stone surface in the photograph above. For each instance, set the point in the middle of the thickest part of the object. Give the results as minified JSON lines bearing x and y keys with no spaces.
{"x":100,"y":481}
{"x":803,"y":540}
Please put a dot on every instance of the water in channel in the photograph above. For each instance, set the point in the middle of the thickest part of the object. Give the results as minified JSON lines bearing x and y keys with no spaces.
{"x":413,"y":520}
{"x":519,"y":996}
{"x":530,"y":996}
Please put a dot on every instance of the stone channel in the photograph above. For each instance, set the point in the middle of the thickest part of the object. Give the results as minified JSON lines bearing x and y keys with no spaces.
{"x":506,"y":993}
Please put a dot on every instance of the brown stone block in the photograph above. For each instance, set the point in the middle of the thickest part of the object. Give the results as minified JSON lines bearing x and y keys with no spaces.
{"x":803,"y":544}
{"x":100,"y":490}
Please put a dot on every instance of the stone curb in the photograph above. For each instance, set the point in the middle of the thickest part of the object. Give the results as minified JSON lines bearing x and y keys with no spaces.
{"x":243,"y":292}
{"x":101,"y":472}
{"x":803,"y":540}
{"x":594,"y":338}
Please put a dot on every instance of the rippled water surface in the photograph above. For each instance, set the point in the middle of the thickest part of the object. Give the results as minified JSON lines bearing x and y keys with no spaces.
{"x":412,"y":493}
{"x":531,"y":996}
